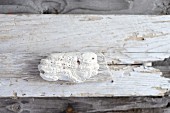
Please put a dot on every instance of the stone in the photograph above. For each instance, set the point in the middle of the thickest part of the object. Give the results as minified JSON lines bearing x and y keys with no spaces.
{"x":74,"y":67}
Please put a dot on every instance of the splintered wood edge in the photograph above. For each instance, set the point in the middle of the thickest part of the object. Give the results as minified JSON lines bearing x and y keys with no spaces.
{"x":129,"y":53}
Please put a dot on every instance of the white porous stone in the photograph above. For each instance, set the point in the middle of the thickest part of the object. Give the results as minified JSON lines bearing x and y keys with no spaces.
{"x":73,"y":67}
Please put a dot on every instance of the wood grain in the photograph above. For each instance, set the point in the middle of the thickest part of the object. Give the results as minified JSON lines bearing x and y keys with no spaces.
{"x":130,"y":44}
{"x":85,"y":105}
{"x":85,"y":6}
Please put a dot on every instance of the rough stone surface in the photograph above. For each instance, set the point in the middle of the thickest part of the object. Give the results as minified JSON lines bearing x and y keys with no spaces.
{"x":73,"y":67}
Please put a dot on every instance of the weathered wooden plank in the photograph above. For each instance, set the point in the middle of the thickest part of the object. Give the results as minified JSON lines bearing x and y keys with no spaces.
{"x":85,"y":6}
{"x":85,"y":105}
{"x":129,"y":43}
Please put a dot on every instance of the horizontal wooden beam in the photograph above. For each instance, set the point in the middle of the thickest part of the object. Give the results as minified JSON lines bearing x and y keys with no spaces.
{"x":85,"y":105}
{"x":85,"y":6}
{"x":134,"y":48}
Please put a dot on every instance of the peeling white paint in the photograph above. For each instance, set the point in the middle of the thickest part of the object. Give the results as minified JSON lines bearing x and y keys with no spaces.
{"x":131,"y":71}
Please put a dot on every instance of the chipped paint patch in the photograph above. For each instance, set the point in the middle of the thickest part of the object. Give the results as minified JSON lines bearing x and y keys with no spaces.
{"x":163,"y":91}
{"x":5,"y":38}
{"x":91,"y":18}
{"x":141,"y":37}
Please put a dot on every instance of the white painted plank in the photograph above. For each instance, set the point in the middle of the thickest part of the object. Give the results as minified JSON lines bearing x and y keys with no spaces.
{"x":129,"y":44}
{"x":125,"y":84}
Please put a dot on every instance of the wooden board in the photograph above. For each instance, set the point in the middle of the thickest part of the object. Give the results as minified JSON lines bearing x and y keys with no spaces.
{"x":129,"y":43}
{"x":85,"y":105}
{"x":85,"y":6}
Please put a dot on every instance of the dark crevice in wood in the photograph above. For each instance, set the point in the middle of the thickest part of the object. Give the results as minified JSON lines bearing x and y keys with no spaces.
{"x":137,"y":64}
{"x":48,"y":11}
{"x":163,"y":66}
{"x":168,"y":105}
{"x":165,"y":62}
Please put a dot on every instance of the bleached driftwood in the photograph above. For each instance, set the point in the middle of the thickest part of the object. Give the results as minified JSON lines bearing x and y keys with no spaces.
{"x":129,"y":43}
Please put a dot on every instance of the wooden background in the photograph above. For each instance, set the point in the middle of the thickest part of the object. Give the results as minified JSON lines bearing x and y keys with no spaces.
{"x":130,"y":104}
{"x":85,"y":6}
{"x":86,"y":105}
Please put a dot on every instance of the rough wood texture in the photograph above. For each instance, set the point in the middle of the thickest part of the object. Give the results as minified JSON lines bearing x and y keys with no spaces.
{"x":129,"y":43}
{"x":85,"y":6}
{"x":85,"y":105}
